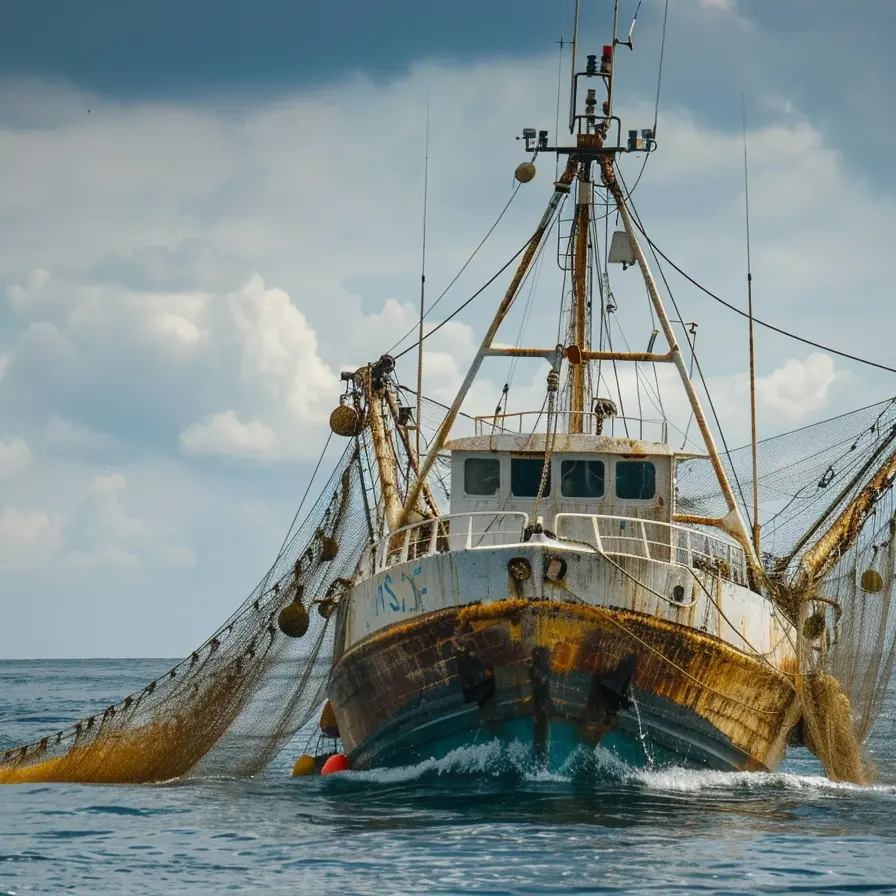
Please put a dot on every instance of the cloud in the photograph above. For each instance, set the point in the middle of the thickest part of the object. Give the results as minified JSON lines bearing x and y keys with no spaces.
{"x":15,"y":457}
{"x":183,"y":285}
{"x":28,"y":538}
{"x":224,"y":434}
{"x":101,"y":531}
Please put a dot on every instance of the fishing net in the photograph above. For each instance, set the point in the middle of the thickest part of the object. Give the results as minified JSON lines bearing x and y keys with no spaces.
{"x":828,"y":520}
{"x":800,"y":475}
{"x":230,"y":706}
{"x":828,"y":523}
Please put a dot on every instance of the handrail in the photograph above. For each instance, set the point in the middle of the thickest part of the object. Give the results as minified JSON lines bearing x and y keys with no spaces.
{"x":396,"y":547}
{"x":683,"y":547}
{"x":490,"y":423}
{"x":643,"y":539}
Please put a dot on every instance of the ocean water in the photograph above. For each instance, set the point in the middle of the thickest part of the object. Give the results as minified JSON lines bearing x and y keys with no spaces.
{"x":481,"y":821}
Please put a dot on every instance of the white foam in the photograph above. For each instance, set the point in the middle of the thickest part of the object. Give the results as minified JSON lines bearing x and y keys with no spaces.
{"x":681,"y":780}
{"x":496,"y":758}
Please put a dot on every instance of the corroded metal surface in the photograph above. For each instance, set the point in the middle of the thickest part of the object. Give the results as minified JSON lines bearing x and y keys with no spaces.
{"x":690,"y":597}
{"x":413,"y":673}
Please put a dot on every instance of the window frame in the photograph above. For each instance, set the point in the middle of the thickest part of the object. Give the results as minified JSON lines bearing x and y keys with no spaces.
{"x":531,"y":456}
{"x":585,"y":460}
{"x":632,"y":461}
{"x":481,"y":496}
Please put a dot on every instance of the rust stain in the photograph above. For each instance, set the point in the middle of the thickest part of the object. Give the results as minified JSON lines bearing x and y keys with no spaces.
{"x":748,"y":701}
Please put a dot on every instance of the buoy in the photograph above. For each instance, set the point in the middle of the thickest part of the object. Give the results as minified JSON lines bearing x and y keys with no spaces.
{"x":346,"y":421}
{"x":329,"y":548}
{"x":328,"y":723}
{"x":336,"y":763}
{"x":525,"y":171}
{"x":305,"y":765}
{"x":872,"y":581}
{"x":293,"y":620}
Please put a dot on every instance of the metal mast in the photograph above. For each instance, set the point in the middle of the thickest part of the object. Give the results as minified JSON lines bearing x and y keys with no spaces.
{"x":598,"y":139}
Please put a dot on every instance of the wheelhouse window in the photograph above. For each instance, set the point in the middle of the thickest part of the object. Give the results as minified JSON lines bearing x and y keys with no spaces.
{"x":525,"y":476}
{"x":482,"y":476}
{"x":582,"y":478}
{"x":635,"y":480}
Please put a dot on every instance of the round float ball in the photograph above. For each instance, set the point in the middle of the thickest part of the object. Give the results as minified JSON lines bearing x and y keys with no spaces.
{"x":336,"y":763}
{"x":525,"y":171}
{"x":872,"y":581}
{"x":305,"y":765}
{"x":293,"y":620}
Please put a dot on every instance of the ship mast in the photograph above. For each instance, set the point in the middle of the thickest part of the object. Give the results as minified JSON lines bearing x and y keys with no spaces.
{"x":581,"y":268}
{"x":598,"y":140}
{"x":596,"y":127}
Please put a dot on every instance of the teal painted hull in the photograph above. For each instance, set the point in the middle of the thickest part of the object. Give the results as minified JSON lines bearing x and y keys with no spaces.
{"x":443,"y":683}
{"x":649,"y":735}
{"x":565,"y":749}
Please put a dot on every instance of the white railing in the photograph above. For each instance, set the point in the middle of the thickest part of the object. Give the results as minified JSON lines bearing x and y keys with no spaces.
{"x":616,"y":536}
{"x":454,"y":532}
{"x":626,"y":536}
{"x":525,"y":421}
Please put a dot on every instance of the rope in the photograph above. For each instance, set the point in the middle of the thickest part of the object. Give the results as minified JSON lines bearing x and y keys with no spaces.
{"x":552,"y":418}
{"x":458,"y":310}
{"x":637,"y":219}
{"x":637,"y":581}
{"x":756,"y":320}
{"x":672,"y":663}
{"x":458,"y":274}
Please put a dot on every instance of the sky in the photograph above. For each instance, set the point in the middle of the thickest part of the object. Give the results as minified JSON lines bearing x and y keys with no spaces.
{"x":207,"y":210}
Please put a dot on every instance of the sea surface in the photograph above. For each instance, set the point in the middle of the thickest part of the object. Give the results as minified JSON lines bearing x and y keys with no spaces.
{"x":481,"y":821}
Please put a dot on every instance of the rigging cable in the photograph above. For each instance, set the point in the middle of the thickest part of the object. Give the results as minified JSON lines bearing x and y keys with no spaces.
{"x":637,"y":220}
{"x":559,"y":85}
{"x":460,"y":308}
{"x":659,"y":77}
{"x":457,"y":276}
{"x":756,"y":320}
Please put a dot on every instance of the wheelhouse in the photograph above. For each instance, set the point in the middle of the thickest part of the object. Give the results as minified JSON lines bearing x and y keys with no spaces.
{"x":570,"y":473}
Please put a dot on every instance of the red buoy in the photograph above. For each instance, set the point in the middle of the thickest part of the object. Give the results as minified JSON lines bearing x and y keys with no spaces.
{"x":336,"y":763}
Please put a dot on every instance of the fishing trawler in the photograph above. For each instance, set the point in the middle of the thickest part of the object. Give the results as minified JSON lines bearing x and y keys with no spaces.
{"x":565,"y":600}
{"x":583,"y":587}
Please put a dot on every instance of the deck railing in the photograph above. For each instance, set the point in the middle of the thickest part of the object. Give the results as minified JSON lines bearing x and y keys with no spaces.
{"x":615,"y":536}
{"x":626,"y":536}
{"x":455,"y":532}
{"x":526,"y":421}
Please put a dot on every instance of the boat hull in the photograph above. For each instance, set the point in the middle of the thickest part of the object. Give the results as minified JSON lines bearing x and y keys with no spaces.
{"x":559,"y":678}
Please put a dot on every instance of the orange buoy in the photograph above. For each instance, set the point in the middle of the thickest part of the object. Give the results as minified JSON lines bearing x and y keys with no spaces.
{"x":336,"y":763}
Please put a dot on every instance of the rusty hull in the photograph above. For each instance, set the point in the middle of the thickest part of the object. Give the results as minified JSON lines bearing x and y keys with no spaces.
{"x":464,"y":674}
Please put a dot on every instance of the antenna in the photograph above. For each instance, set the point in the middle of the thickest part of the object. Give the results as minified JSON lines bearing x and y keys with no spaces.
{"x":628,"y":41}
{"x":422,"y":285}
{"x":572,"y":69}
{"x":752,"y":342}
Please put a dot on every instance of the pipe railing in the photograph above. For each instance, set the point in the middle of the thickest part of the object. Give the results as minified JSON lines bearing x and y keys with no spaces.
{"x":646,"y":539}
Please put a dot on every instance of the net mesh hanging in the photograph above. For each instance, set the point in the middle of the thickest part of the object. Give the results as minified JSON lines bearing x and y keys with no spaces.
{"x":229,"y":707}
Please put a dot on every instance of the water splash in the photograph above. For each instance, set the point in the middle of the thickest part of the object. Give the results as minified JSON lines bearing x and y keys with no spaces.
{"x":642,"y":735}
{"x":514,"y":764}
